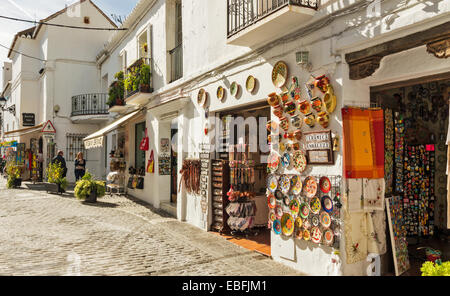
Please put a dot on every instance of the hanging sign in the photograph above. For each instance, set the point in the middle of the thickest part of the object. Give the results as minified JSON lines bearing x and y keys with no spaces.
{"x":319,"y":147}
{"x":28,"y":119}
{"x":48,"y":128}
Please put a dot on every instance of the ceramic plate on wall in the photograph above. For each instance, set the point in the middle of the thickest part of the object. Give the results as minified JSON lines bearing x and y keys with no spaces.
{"x":328,"y":237}
{"x":316,"y":235}
{"x":325,"y":184}
{"x":325,"y":219}
{"x":271,"y":201}
{"x":287,"y":224}
{"x":202,"y":97}
{"x":310,"y":186}
{"x":327,"y":204}
{"x":314,"y":205}
{"x":294,"y":206}
{"x":272,"y":183}
{"x":285,"y":183}
{"x":250,"y":84}
{"x":299,"y":160}
{"x":276,"y":226}
{"x":279,"y":74}
{"x":220,"y":93}
{"x":234,"y":89}
{"x":296,"y":185}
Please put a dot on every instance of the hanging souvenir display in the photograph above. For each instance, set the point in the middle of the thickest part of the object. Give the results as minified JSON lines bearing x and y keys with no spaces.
{"x":389,"y":150}
{"x":399,"y":151}
{"x":190,"y":176}
{"x":279,"y":74}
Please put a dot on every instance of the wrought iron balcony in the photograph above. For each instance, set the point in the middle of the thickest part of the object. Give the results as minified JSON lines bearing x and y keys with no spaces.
{"x":176,"y":62}
{"x":244,"y":13}
{"x":89,"y":104}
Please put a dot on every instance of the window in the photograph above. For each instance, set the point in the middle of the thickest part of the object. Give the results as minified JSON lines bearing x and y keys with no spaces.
{"x":75,"y":144}
{"x":87,"y":20}
{"x":178,"y":24}
{"x":140,"y":155}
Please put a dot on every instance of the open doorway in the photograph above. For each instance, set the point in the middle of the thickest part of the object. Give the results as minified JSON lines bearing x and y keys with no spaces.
{"x":173,"y":162}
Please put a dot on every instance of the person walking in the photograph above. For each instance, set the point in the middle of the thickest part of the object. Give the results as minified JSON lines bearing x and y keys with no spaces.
{"x":80,"y":166}
{"x":60,"y":158}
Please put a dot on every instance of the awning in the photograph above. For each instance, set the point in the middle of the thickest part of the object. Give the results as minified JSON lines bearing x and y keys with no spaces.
{"x":95,"y":140}
{"x":24,"y":131}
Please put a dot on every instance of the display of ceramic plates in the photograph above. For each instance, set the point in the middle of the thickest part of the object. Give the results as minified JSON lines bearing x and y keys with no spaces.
{"x":278,"y":211}
{"x":279,"y":195}
{"x":299,"y":233}
{"x":273,"y":161}
{"x":271,"y":201}
{"x":294,"y":206}
{"x":306,"y":235}
{"x":287,"y":224}
{"x":272,"y":216}
{"x":285,"y":183}
{"x":202,"y":97}
{"x":327,"y":204}
{"x":325,"y":184}
{"x":304,"y":210}
{"x":328,"y":237}
{"x":272,"y":183}
{"x":296,"y":185}
{"x":299,"y":160}
{"x":276,"y":226}
{"x":220,"y":93}
{"x":279,"y":74}
{"x":325,"y":219}
{"x":314,"y":205}
{"x":234,"y":89}
{"x":316,"y":235}
{"x":298,"y":222}
{"x":315,"y":221}
{"x":286,"y":160}
{"x":250,"y":83}
{"x":286,"y":201}
{"x":310,"y":186}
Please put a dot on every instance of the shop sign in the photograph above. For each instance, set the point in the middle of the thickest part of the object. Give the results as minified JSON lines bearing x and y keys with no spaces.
{"x":28,"y":119}
{"x":93,"y":143}
{"x":319,"y":148}
{"x":165,"y":145}
{"x":164,"y":165}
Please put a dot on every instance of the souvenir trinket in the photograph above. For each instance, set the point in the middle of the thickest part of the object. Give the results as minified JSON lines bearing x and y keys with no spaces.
{"x":220,"y":93}
{"x":296,"y":185}
{"x":284,"y":123}
{"x":272,"y":216}
{"x":296,"y":121}
{"x":279,"y":195}
{"x":294,"y":88}
{"x":322,"y":83}
{"x":272,"y":126}
{"x":273,"y":161}
{"x":286,"y":201}
{"x":202,"y":97}
{"x":234,"y":89}
{"x":273,"y":99}
{"x":310,"y":120}
{"x":304,"y":107}
{"x":289,"y":108}
{"x":299,"y":233}
{"x":285,"y":160}
{"x":284,"y":98}
{"x":328,"y":237}
{"x":298,"y":222}
{"x":323,"y":119}
{"x":306,"y":235}
{"x":285,"y":184}
{"x":315,"y":221}
{"x":327,"y":204}
{"x":278,"y":211}
{"x":316,"y":104}
{"x":306,"y":223}
{"x":271,"y":201}
{"x":298,"y":135}
{"x":329,"y":99}
{"x":272,"y":183}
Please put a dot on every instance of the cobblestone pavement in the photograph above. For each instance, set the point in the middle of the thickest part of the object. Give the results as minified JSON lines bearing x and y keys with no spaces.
{"x":45,"y":234}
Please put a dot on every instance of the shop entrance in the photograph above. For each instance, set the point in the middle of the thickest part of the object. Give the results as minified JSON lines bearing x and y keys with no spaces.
{"x":239,"y":175}
{"x":174,"y":163}
{"x":416,"y":123}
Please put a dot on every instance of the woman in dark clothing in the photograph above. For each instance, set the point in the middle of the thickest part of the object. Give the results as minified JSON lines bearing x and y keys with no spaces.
{"x":80,"y":166}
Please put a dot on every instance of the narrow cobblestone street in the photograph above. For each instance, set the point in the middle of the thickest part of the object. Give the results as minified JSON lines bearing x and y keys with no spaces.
{"x":44,"y":234}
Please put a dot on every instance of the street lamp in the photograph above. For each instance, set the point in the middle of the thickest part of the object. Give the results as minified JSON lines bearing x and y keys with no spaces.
{"x":2,"y":102}
{"x":11,"y":109}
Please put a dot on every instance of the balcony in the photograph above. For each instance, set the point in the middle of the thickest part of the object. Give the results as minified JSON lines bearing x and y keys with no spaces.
{"x":90,"y":107}
{"x":176,"y":62}
{"x":253,"y":22}
{"x":138,"y":82}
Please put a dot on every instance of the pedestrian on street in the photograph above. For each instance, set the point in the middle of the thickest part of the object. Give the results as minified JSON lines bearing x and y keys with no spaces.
{"x":60,"y":158}
{"x":80,"y":166}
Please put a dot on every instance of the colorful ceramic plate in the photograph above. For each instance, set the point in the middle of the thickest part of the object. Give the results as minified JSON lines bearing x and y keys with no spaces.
{"x":315,"y":221}
{"x":286,"y":201}
{"x":234,"y":89}
{"x":316,"y":235}
{"x":202,"y":97}
{"x":271,"y":201}
{"x":299,"y":233}
{"x":220,"y":93}
{"x":273,"y":161}
{"x":272,"y":183}
{"x":276,"y":226}
{"x":294,"y":206}
{"x":325,"y":184}
{"x":328,"y":237}
{"x":310,"y":186}
{"x":279,"y":195}
{"x":325,"y":219}
{"x":278,"y":211}
{"x":272,"y":216}
{"x":314,"y":205}
{"x":250,"y":83}
{"x":304,"y":210}
{"x":299,"y":160}
{"x":298,"y":222}
{"x":306,"y":224}
{"x":285,"y":184}
{"x":285,"y":160}
{"x":327,"y":204}
{"x":287,"y":224}
{"x":296,"y":185}
{"x":306,"y":235}
{"x":279,"y":74}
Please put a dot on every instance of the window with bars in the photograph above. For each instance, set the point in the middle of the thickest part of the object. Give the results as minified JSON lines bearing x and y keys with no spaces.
{"x":75,"y":144}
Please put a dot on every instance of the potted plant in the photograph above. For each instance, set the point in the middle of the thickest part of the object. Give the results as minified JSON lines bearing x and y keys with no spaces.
{"x":144,"y":78}
{"x":116,"y":90}
{"x":430,"y":268}
{"x":87,"y":189}
{"x":56,"y":181}
{"x":145,"y":47}
{"x":14,"y":176}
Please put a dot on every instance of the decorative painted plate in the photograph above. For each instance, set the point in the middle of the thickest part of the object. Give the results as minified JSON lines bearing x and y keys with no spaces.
{"x":306,"y":224}
{"x":296,"y":185}
{"x":314,"y":205}
{"x":299,"y":160}
{"x":278,"y":211}
{"x":220,"y":93}
{"x":325,"y":184}
{"x":234,"y":89}
{"x":316,"y":235}
{"x":272,"y":183}
{"x":276,"y":226}
{"x":279,"y":195}
{"x":298,"y":222}
{"x":299,"y":233}
{"x":327,"y":204}
{"x":286,"y":201}
{"x":315,"y":221}
{"x":272,"y":216}
{"x":250,"y":83}
{"x":310,"y":186}
{"x":279,"y":74}
{"x":285,"y":184}
{"x":306,"y":235}
{"x":285,"y":160}
{"x":271,"y":201}
{"x":304,"y":210}
{"x":273,"y":161}
{"x":328,"y":237}
{"x":287,"y":224}
{"x":202,"y":97}
{"x":294,"y":206}
{"x":325,"y":219}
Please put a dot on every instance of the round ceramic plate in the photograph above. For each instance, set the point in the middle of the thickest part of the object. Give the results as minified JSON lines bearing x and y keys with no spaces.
{"x":250,"y":83}
{"x":316,"y":235}
{"x":310,"y":186}
{"x":279,"y":195}
{"x":286,"y":201}
{"x":272,"y":183}
{"x":325,"y":219}
{"x":327,"y":204}
{"x":325,"y":184}
{"x":296,"y":185}
{"x":328,"y":237}
{"x":272,"y":216}
{"x":276,"y":226}
{"x":287,"y":224}
{"x":220,"y":93}
{"x":273,"y":161}
{"x":271,"y":201}
{"x":306,"y":235}
{"x":306,"y":224}
{"x":315,"y":221}
{"x":234,"y":89}
{"x":298,"y":222}
{"x":299,"y":160}
{"x":299,"y":233}
{"x":278,"y":211}
{"x":285,"y":184}
{"x":304,"y":210}
{"x":279,"y":74}
{"x":285,"y":160}
{"x":201,"y":97}
{"x":294,"y":206}
{"x":314,"y":205}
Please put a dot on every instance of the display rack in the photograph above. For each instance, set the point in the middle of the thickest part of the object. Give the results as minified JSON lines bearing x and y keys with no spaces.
{"x":220,"y":184}
{"x":116,"y":180}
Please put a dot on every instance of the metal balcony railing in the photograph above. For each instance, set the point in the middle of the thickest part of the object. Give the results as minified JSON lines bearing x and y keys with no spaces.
{"x":244,"y":13}
{"x":89,"y":104}
{"x":176,"y":62}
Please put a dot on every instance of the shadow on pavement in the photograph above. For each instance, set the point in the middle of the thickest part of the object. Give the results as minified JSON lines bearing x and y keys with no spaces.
{"x":100,"y":204}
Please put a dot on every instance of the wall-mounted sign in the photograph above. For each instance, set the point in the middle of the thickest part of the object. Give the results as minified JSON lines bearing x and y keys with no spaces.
{"x":164,"y":165}
{"x":48,"y":128}
{"x":165,"y":145}
{"x":28,"y":119}
{"x":319,"y":148}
